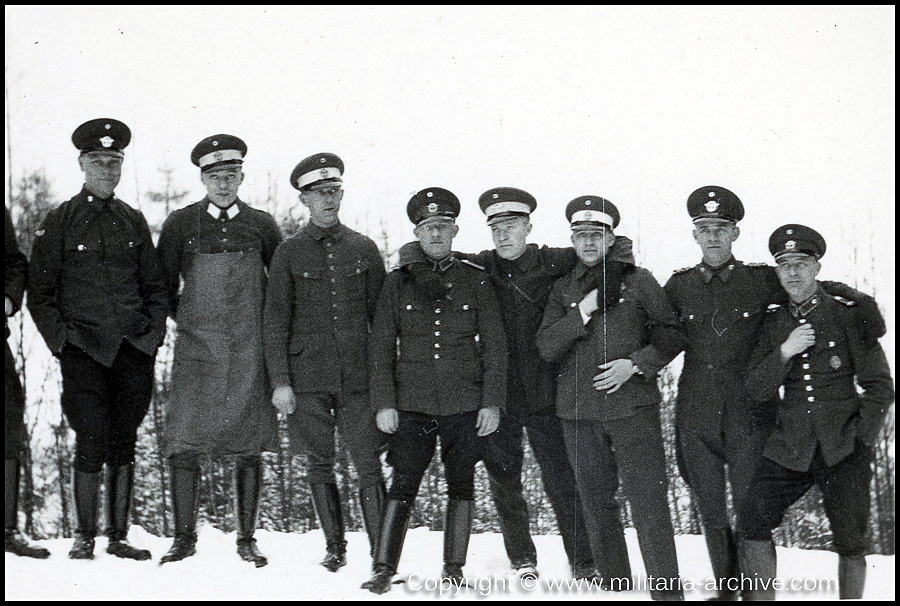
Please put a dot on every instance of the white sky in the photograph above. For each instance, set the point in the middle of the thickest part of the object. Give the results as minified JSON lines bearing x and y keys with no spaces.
{"x":791,"y":108}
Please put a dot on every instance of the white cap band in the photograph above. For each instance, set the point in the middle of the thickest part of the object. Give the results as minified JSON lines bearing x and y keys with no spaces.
{"x":507,"y":207}
{"x":220,"y":156}
{"x":330,"y":172}
{"x":592,"y":216}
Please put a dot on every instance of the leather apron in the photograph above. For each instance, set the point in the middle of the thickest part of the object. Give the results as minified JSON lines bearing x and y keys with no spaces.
{"x":219,"y":402}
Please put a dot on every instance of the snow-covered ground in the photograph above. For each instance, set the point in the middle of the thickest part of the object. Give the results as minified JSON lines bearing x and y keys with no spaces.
{"x":293,"y":573}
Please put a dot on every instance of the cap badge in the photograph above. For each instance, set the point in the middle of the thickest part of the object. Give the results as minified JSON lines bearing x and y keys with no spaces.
{"x":711,"y":206}
{"x":321,"y":160}
{"x":790,"y":245}
{"x":107,"y":126}
{"x":587,"y":202}
{"x":835,"y":362}
{"x":789,"y":232}
{"x":588,"y":215}
{"x":324,"y":172}
{"x":711,"y":194}
{"x":215,"y":143}
{"x":495,"y":196}
{"x":430,"y":194}
{"x":217,"y":156}
{"x":433,"y":207}
{"x":106,"y":141}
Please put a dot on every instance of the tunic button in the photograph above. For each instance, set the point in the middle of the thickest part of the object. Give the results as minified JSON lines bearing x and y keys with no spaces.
{"x":807,"y":377}
{"x":90,"y":198}
{"x":746,"y":314}
{"x":803,"y":320}
{"x":437,"y":356}
{"x":331,"y":268}
{"x":335,"y":318}
{"x":438,"y":310}
{"x":811,"y":399}
{"x":328,"y":244}
{"x":809,"y":388}
{"x":224,"y":229}
{"x":806,"y":367}
{"x":437,"y":322}
{"x":691,"y":317}
{"x":333,"y":280}
{"x":437,"y":333}
{"x":331,"y":256}
{"x":709,"y":366}
{"x":437,"y":345}
{"x":806,"y":355}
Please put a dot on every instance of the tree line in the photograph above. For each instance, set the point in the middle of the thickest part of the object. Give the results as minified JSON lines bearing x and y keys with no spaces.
{"x":285,"y":504}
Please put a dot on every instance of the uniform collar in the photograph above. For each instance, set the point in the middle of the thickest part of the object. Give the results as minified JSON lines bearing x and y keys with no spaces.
{"x":804,"y":309}
{"x":335,"y":232}
{"x":442,"y":265}
{"x":232,"y":210}
{"x":526,"y":261}
{"x":89,"y":197}
{"x":723,"y":272}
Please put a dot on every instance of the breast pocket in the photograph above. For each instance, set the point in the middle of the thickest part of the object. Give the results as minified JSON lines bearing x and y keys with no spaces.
{"x":355,"y":279}
{"x":311,"y":285}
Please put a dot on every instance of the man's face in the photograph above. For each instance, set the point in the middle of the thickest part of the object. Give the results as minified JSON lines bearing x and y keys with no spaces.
{"x":798,"y":276}
{"x":222,"y":184}
{"x":101,"y":173}
{"x":324,"y":204}
{"x":591,"y":245}
{"x":436,"y":238}
{"x":509,"y":236}
{"x":715,"y":238}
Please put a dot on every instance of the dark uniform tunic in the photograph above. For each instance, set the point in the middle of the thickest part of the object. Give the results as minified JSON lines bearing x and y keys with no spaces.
{"x":721,"y":312}
{"x":438,"y":361}
{"x":97,"y":297}
{"x":219,"y":399}
{"x":615,"y":435}
{"x":825,"y":428}
{"x":323,"y":289}
{"x":16,"y":273}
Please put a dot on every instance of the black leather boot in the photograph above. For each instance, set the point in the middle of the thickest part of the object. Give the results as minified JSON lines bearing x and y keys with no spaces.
{"x":86,"y":486}
{"x":758,"y":563}
{"x":15,"y":542}
{"x":247,"y":485}
{"x":723,"y":556}
{"x":851,"y":577}
{"x":390,"y":545}
{"x":457,"y":529}
{"x":119,"y":484}
{"x":371,"y":502}
{"x":327,"y":503}
{"x":184,"y":503}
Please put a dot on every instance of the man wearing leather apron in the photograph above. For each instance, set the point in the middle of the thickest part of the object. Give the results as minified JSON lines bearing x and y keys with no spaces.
{"x":219,"y":248}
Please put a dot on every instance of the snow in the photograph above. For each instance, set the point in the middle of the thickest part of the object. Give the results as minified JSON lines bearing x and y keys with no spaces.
{"x":293,"y":573}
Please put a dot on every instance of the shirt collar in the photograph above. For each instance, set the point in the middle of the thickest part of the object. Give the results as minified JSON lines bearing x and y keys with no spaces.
{"x":527,"y":261}
{"x":335,"y":232}
{"x":804,"y":309}
{"x":232,"y":211}
{"x":724,"y":271}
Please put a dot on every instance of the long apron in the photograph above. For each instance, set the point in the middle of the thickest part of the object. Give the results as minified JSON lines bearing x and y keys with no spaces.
{"x":219,"y":400}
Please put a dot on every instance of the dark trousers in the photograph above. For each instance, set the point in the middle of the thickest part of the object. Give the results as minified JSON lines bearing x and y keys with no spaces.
{"x":412,"y":447}
{"x":630,"y":450}
{"x":845,"y":492}
{"x":105,"y":406}
{"x":311,"y":429}
{"x":15,"y":409}
{"x":702,"y":460}
{"x":503,"y":456}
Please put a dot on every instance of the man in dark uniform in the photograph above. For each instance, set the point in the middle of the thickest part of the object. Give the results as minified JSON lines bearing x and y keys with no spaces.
{"x":97,"y":296}
{"x":220,"y":248}
{"x":837,"y":390}
{"x":16,"y":275}
{"x":323,"y":287}
{"x":437,"y":369}
{"x":611,"y":328}
{"x":721,"y":303}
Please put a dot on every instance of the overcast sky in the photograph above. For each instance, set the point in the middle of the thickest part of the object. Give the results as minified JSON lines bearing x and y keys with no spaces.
{"x":791,"y":108}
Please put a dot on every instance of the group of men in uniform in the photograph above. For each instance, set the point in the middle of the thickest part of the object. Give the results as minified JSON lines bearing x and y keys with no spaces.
{"x":475,"y":350}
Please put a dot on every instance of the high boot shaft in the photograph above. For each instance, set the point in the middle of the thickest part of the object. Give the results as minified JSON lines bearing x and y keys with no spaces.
{"x":371,"y":501}
{"x":247,"y":486}
{"x":86,"y":488}
{"x":758,"y":563}
{"x":457,"y":530}
{"x":119,"y":485}
{"x":390,"y":545}
{"x":851,"y":577}
{"x":327,"y":503}
{"x":15,"y":542}
{"x":184,"y":484}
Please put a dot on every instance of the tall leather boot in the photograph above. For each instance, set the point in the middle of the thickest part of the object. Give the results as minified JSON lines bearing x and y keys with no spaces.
{"x":390,"y":545}
{"x":851,"y":577}
{"x":15,"y":542}
{"x":371,"y":501}
{"x":457,"y":529}
{"x":759,"y":564}
{"x":184,"y":482}
{"x":327,"y":503}
{"x":119,"y":484}
{"x":86,"y":486}
{"x":723,"y":556}
{"x":247,"y":486}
